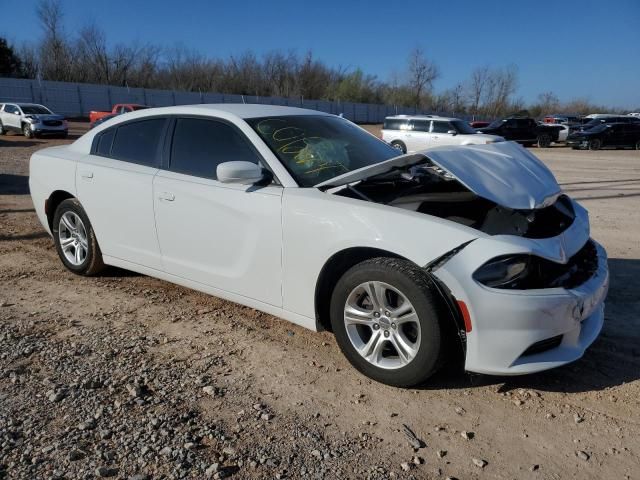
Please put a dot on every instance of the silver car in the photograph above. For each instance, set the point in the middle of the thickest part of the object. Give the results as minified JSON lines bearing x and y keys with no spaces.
{"x":31,"y":119}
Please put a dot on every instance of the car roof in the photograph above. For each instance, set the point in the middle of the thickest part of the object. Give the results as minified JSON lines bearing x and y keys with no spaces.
{"x":241,"y":110}
{"x":420,"y":117}
{"x":21,"y":104}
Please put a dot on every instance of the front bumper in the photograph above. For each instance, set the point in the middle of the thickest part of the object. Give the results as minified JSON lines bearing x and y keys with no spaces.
{"x":43,"y":129}
{"x":507,"y":323}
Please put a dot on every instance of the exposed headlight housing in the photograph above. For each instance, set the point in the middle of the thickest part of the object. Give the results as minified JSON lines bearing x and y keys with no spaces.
{"x":503,"y":272}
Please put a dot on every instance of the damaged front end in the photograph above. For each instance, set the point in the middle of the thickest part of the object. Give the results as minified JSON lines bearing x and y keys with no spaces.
{"x":528,"y":293}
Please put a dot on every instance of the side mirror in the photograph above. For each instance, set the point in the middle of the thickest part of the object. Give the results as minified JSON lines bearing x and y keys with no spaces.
{"x":240,"y":172}
{"x":452,"y":132}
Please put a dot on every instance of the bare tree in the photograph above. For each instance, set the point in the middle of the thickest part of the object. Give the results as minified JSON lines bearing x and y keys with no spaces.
{"x":422,"y":73}
{"x":55,"y":57}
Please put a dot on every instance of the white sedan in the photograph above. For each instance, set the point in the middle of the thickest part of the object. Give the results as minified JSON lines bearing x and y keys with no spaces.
{"x":471,"y":251}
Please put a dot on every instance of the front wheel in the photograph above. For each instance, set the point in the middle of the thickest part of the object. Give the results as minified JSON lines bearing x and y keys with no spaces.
{"x":75,"y":239}
{"x":595,"y":144}
{"x":638,"y":145}
{"x":2,"y":130}
{"x":386,"y":319}
{"x":26,"y":130}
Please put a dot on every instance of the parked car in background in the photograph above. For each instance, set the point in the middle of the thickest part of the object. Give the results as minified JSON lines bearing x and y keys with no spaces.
{"x":561,"y":119}
{"x":306,"y":216}
{"x":101,"y":120}
{"x":411,"y":133}
{"x":479,"y":124}
{"x":31,"y":119}
{"x":607,"y":135}
{"x":524,"y":130}
{"x":117,"y":109}
{"x":596,"y":121}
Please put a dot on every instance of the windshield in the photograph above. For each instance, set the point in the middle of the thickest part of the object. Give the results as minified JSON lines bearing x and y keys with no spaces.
{"x":34,"y":110}
{"x":318,"y":148}
{"x":599,"y":128}
{"x":593,"y":123}
{"x":462,"y":127}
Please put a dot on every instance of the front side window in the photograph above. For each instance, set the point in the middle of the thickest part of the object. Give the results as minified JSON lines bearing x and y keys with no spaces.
{"x":137,"y":142}
{"x":10,"y":109}
{"x":200,"y":145}
{"x":317,"y":148}
{"x":440,"y":127}
{"x":462,"y":127}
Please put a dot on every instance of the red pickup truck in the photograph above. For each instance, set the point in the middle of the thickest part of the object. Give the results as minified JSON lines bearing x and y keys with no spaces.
{"x":117,"y":109}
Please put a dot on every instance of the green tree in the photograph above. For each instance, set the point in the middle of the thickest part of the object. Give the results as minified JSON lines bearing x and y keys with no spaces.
{"x":10,"y":64}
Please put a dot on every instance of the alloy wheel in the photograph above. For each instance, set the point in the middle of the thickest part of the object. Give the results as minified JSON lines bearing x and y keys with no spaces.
{"x":73,"y":238}
{"x":382,"y":325}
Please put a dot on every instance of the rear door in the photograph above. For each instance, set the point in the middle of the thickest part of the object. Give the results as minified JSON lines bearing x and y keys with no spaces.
{"x":224,"y":235}
{"x":115,"y":187}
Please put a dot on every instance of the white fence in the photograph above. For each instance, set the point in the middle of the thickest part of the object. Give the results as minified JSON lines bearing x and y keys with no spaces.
{"x":78,"y":99}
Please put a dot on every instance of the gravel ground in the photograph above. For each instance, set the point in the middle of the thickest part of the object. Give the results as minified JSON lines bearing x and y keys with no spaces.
{"x":125,"y":376}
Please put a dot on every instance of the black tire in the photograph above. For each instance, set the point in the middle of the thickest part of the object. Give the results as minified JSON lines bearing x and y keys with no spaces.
{"x":419,"y":289}
{"x":595,"y":144}
{"x":398,"y":145}
{"x":638,"y":145}
{"x":2,"y":130}
{"x":26,"y":131}
{"x":544,"y":140}
{"x":92,"y":263}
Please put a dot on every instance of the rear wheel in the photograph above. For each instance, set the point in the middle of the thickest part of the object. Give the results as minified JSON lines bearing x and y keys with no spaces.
{"x":544,"y":140}
{"x":400,"y":146}
{"x":595,"y":144}
{"x":386,"y":318}
{"x":26,"y":130}
{"x":75,"y":239}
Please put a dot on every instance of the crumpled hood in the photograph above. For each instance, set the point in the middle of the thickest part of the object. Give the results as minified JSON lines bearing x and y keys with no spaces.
{"x":504,"y":172}
{"x":45,"y":116}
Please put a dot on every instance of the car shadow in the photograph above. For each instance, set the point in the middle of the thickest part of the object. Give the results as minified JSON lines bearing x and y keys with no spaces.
{"x":14,"y":184}
{"x":612,"y":360}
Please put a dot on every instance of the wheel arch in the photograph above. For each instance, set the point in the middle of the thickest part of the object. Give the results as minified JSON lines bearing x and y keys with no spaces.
{"x":51,"y":204}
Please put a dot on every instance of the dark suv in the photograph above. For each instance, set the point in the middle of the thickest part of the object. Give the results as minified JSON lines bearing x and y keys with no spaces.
{"x":615,"y":135}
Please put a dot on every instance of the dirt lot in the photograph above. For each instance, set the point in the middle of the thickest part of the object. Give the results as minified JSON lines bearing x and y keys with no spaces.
{"x":131,"y":377}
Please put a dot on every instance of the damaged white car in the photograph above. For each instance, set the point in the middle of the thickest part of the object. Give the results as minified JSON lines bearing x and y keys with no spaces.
{"x":407,"y":259}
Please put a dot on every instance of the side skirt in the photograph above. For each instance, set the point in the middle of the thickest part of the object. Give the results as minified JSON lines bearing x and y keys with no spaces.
{"x":296,"y":318}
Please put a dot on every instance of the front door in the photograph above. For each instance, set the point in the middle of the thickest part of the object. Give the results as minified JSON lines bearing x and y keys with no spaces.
{"x":226,"y":236}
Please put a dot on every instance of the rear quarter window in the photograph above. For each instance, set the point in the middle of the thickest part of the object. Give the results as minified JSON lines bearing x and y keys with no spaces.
{"x":395,"y":124}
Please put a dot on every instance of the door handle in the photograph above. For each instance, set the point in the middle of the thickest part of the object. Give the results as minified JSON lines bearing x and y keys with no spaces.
{"x":169,"y":197}
{"x":86,"y":174}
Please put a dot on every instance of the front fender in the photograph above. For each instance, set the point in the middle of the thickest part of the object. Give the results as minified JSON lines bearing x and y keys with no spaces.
{"x":317,"y":225}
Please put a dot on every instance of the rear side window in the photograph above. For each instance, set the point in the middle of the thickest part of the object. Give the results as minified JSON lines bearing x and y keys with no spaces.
{"x":103,"y":147}
{"x":395,"y":124}
{"x":200,"y":145}
{"x":137,"y":142}
{"x":420,"y":125}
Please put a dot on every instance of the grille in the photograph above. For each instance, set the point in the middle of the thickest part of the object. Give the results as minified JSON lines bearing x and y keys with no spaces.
{"x":52,"y":123}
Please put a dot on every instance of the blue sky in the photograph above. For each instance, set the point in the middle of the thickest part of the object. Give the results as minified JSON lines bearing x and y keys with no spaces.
{"x":587,"y":49}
